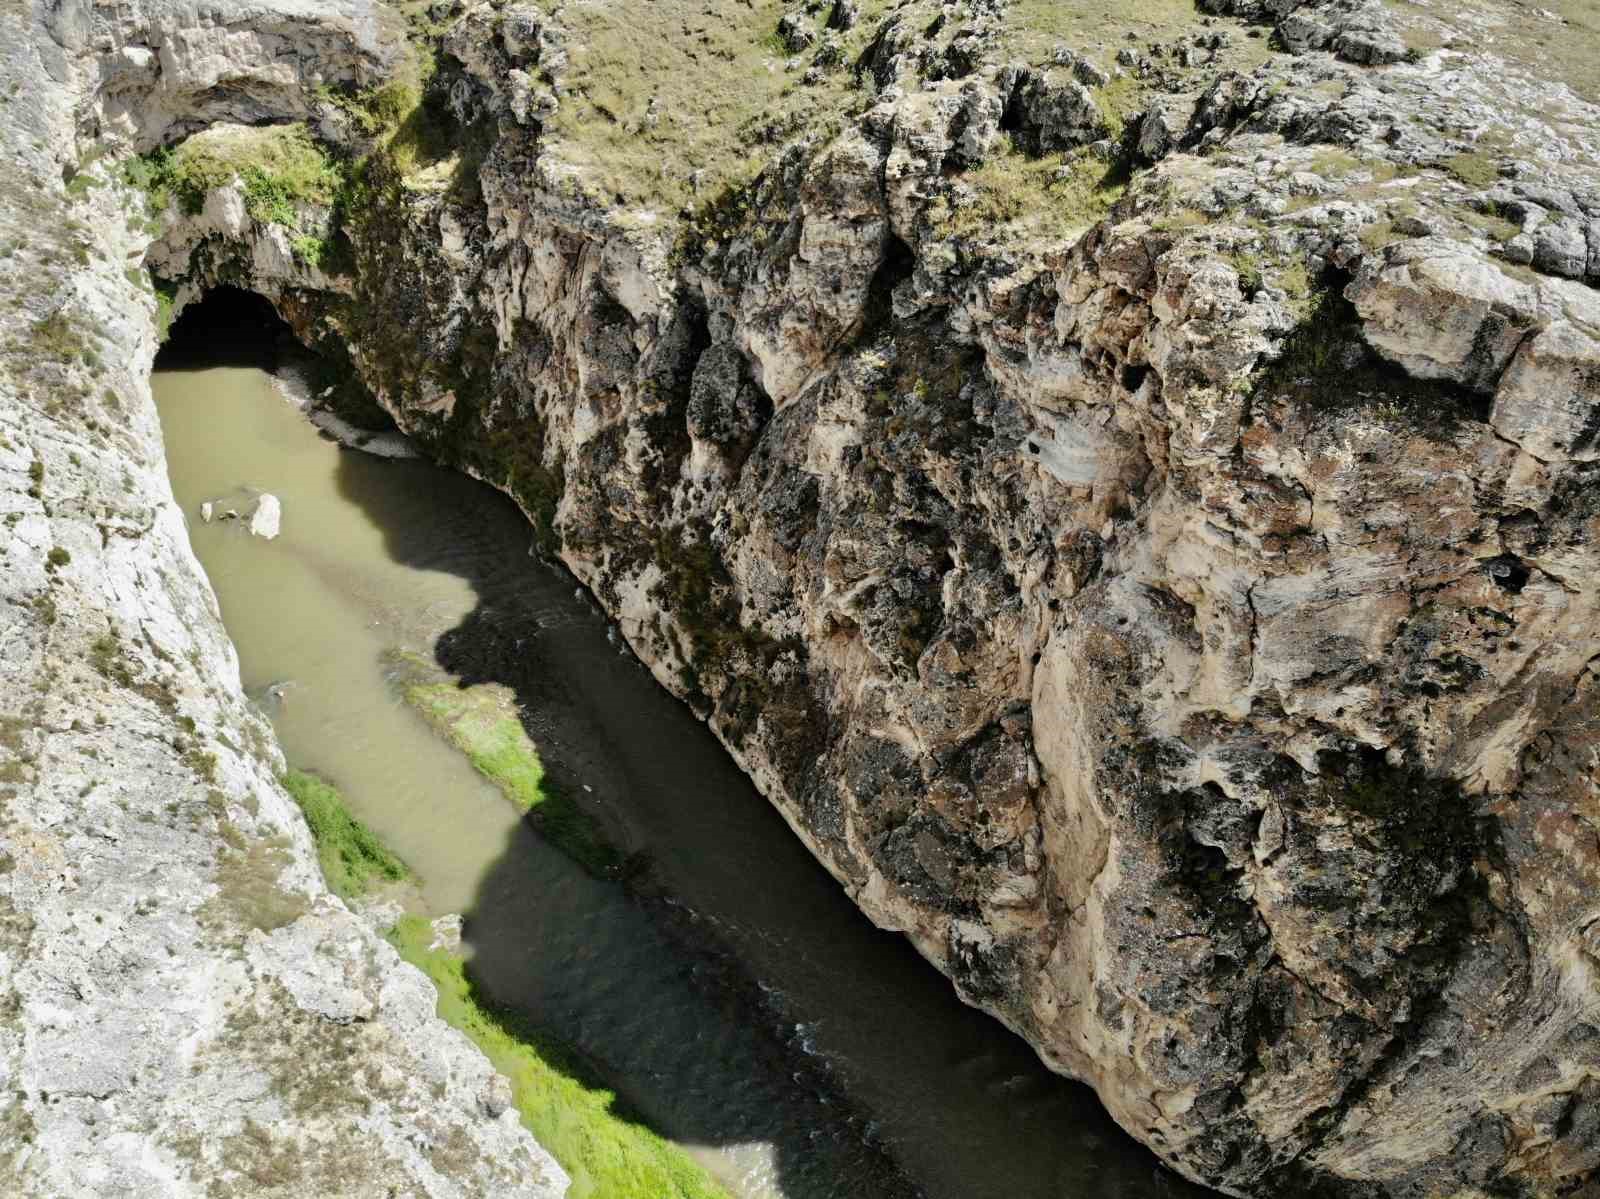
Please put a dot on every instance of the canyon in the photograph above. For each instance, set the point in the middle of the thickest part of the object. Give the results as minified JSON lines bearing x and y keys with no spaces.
{"x":1122,"y":488}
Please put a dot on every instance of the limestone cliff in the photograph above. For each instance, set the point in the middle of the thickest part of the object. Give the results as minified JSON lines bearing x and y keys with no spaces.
{"x":184,"y":1009}
{"x":1123,"y":487}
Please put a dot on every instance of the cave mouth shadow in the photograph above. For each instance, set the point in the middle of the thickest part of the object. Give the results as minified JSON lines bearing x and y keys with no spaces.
{"x":580,"y":701}
{"x":227,"y":326}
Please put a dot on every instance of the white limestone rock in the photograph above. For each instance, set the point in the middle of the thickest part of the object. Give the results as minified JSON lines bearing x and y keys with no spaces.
{"x":267,"y":517}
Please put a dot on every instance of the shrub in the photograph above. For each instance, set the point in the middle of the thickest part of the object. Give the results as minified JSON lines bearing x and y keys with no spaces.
{"x":1475,"y":169}
{"x":1053,"y":196}
{"x":281,"y":167}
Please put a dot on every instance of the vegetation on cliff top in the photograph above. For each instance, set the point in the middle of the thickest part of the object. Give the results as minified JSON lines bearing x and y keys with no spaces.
{"x":281,"y":167}
{"x":284,"y":172}
{"x":668,"y":103}
{"x":1054,"y":197}
{"x":1035,"y":27}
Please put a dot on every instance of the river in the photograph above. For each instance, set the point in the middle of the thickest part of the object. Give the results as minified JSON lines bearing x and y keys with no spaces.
{"x":732,"y":994}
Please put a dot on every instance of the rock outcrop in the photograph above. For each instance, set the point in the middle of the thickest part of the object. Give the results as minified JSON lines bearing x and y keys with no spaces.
{"x":184,"y":1009}
{"x":1134,"y":518}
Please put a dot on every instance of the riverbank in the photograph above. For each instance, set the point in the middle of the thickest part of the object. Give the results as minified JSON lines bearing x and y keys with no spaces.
{"x":606,"y":1154}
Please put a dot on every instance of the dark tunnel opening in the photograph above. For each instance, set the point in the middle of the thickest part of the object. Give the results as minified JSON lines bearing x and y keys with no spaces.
{"x":228,"y":326}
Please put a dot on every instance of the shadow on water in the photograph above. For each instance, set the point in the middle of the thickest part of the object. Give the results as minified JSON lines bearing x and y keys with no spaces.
{"x":733,"y":995}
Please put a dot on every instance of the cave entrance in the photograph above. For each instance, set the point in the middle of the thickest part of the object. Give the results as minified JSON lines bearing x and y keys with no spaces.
{"x":228,"y":326}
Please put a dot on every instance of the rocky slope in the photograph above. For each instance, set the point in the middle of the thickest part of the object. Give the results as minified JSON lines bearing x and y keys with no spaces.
{"x":184,"y":1009}
{"x":1128,"y":501}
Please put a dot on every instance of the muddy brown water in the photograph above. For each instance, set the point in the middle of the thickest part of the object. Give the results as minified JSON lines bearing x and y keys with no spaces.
{"x":734,"y":996}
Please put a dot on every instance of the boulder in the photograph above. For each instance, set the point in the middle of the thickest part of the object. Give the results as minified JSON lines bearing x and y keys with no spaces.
{"x":267,"y":516}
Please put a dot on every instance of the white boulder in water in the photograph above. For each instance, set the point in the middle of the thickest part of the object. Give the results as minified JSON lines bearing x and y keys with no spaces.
{"x":205,"y":512}
{"x":264,"y":521}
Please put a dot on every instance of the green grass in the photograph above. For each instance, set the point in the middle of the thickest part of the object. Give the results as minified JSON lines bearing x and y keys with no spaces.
{"x":724,"y":95}
{"x":1056,"y":196}
{"x":1034,"y":28}
{"x":1118,"y":102}
{"x":1491,"y":224}
{"x":1334,"y":163}
{"x":353,"y":860}
{"x":166,"y":303}
{"x":482,"y":722}
{"x":1475,"y":169}
{"x":608,"y":1155}
{"x":281,"y":167}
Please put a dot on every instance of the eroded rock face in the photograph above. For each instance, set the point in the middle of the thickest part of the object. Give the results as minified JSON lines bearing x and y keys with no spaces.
{"x":184,"y":1009}
{"x":1184,"y":631}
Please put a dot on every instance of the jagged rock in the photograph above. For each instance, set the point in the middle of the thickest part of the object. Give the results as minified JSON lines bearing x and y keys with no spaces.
{"x":796,"y":32}
{"x":1561,"y":247}
{"x":1361,"y":31}
{"x":447,"y":936}
{"x":1442,"y":312}
{"x":1051,"y":110}
{"x":975,"y":131}
{"x":1085,"y":70}
{"x":1162,"y":128}
{"x":1546,"y":400}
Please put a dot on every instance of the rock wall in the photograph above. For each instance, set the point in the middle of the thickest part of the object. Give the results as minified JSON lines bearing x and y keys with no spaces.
{"x":1182,"y":626}
{"x":184,"y":1009}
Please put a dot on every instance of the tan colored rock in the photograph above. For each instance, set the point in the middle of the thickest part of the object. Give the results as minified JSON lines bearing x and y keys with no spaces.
{"x":1441,"y":312}
{"x":1547,"y":401}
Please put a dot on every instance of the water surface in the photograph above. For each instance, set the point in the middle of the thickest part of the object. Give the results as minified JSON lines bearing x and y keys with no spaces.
{"x":735,"y":996}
